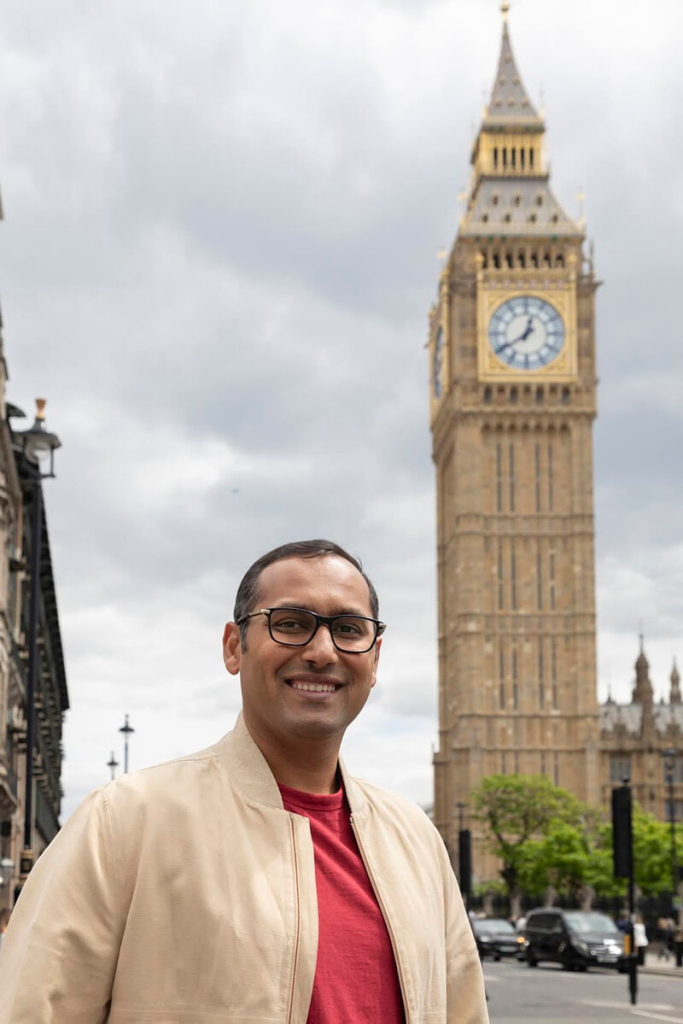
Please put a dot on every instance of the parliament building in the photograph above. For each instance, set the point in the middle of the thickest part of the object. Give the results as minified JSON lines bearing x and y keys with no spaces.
{"x":512,"y":355}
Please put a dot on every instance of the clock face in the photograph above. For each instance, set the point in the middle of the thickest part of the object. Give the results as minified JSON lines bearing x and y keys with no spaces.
{"x":437,"y":365}
{"x":526,"y":332}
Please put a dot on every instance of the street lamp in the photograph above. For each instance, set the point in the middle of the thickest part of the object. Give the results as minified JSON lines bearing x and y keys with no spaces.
{"x":38,"y":446}
{"x":6,"y":869}
{"x":126,"y":729}
{"x":113,"y":764}
{"x":669,"y":775}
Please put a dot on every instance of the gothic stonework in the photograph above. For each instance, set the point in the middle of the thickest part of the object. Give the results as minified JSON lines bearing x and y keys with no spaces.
{"x":634,"y":738}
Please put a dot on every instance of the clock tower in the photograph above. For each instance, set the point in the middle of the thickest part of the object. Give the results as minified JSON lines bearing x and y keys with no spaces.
{"x":512,"y":402}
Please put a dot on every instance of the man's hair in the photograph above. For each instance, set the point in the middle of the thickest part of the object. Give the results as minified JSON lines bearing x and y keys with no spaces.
{"x":249,"y":591}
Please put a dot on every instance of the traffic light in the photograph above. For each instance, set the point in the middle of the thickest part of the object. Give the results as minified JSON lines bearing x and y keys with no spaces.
{"x":465,"y":861}
{"x":622,"y":835}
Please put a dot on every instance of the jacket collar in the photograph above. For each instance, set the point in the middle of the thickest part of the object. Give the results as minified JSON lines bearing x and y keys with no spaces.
{"x":249,"y":772}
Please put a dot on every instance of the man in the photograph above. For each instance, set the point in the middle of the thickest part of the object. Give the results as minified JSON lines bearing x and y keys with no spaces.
{"x":255,"y":881}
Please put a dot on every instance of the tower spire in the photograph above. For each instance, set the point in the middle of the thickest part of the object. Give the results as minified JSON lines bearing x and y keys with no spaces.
{"x":509,"y":99}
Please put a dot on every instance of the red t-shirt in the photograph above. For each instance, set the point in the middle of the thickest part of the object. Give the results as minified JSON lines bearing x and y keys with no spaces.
{"x":356,"y":981}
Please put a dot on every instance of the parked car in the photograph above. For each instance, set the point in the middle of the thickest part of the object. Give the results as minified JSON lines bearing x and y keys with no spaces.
{"x":574,"y":938}
{"x":495,"y":937}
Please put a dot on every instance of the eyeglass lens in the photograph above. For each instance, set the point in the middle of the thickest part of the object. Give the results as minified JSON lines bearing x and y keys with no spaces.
{"x":295,"y":627}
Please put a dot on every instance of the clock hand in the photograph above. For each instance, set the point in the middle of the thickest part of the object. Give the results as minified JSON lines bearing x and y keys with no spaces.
{"x":529,"y":330}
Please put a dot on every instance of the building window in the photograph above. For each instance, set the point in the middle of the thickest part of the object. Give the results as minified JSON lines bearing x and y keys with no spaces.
{"x":538,"y":473}
{"x":543,"y":762}
{"x":499,"y":478}
{"x":487,"y":396}
{"x":515,"y":702}
{"x":539,"y":579}
{"x":495,"y":158}
{"x":512,"y":473}
{"x":541,"y":683}
{"x":550,"y":478}
{"x":522,"y":154}
{"x":553,"y":669}
{"x":552,"y":580}
{"x":531,"y":159}
{"x":501,"y":675}
{"x":678,"y":769}
{"x":513,"y":574}
{"x":500,"y":575}
{"x":619,"y":767}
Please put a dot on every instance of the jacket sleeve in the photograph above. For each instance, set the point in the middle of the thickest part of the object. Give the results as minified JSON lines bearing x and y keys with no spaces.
{"x":59,"y":953}
{"x":465,"y":997}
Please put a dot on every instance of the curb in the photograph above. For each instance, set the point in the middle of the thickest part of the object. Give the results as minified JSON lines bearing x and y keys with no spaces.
{"x":663,"y":972}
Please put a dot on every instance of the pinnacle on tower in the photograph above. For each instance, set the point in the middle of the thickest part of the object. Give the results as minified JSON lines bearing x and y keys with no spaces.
{"x":642,"y":691}
{"x":675,"y":693}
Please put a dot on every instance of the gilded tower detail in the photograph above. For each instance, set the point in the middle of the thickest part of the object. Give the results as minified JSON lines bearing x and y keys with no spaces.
{"x":512,"y":401}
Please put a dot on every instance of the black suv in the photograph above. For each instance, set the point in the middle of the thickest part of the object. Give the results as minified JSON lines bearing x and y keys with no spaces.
{"x":574,"y":938}
{"x":495,"y":937}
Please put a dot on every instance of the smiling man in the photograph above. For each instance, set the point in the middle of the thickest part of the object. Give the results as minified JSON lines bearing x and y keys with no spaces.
{"x":255,"y":881}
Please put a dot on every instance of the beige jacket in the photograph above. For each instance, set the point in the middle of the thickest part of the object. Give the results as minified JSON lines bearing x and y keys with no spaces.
{"x":185,"y":894}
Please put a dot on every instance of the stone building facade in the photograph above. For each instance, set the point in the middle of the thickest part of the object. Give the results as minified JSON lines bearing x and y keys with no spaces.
{"x":17,"y":490}
{"x":634,"y":739}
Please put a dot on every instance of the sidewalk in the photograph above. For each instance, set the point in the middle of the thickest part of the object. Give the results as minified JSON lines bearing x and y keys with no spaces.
{"x":665,"y":967}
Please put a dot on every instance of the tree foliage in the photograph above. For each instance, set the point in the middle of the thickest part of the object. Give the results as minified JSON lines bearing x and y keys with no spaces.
{"x":517,"y":810}
{"x":545,"y":837}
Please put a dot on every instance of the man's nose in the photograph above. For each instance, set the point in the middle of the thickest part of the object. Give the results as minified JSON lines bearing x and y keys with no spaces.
{"x":320,"y":649}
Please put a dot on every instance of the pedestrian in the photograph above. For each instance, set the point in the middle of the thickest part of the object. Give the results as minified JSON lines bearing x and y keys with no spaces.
{"x":256,"y":880}
{"x":4,"y":921}
{"x":662,"y":938}
{"x":640,"y":939}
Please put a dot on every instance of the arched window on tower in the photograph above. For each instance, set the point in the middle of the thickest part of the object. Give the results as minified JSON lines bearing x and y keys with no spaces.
{"x":513,"y":156}
{"x":495,"y":158}
{"x":522,"y":154}
{"x":531,"y":159}
{"x":505,"y":158}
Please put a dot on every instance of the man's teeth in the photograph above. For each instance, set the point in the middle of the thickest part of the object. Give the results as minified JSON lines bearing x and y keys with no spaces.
{"x":314,"y":687}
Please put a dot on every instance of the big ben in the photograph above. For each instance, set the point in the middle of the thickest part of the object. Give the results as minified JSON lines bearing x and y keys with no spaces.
{"x":512,"y":402}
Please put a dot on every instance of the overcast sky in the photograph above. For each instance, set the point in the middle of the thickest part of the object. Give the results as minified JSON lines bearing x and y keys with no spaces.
{"x":220,"y":245}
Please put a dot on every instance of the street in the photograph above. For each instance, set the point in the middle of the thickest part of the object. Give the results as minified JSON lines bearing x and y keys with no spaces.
{"x":547,"y":993}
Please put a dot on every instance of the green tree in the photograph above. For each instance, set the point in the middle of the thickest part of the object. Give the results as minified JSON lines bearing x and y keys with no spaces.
{"x":517,"y":811}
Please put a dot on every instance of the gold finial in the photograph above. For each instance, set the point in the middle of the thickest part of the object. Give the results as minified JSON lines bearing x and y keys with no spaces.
{"x":40,"y":408}
{"x":505,"y":10}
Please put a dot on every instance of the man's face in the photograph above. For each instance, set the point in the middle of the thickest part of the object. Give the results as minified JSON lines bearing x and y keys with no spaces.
{"x":270,"y":673}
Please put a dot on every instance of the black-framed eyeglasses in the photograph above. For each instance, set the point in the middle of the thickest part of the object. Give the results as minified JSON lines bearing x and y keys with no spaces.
{"x":296,"y":627}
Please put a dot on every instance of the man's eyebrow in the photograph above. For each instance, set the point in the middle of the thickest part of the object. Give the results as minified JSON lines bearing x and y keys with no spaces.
{"x":306,"y":607}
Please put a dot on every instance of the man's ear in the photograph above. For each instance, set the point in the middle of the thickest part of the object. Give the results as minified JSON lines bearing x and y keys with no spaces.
{"x":378,"y":644}
{"x":232,"y":648}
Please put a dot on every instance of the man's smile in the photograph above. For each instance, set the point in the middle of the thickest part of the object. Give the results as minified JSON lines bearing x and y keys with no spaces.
{"x":312,"y":684}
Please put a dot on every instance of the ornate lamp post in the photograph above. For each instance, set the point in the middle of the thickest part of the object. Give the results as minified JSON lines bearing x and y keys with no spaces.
{"x":38,"y":446}
{"x":126,"y":729}
{"x":112,"y":764}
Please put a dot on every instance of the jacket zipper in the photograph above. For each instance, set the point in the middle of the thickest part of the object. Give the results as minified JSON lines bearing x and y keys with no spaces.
{"x":382,"y":907}
{"x":298,"y":920}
